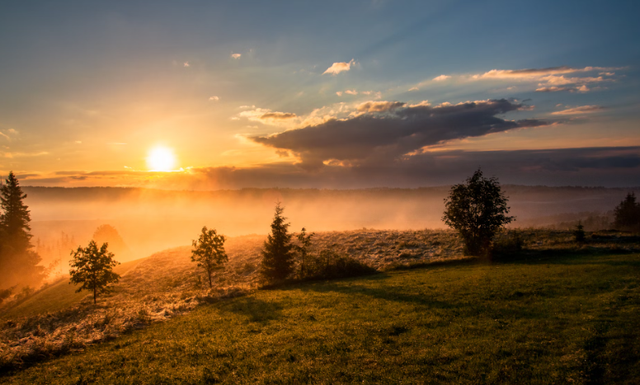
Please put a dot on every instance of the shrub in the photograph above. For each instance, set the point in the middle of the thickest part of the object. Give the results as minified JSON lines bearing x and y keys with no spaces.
{"x":329,"y":264}
{"x":507,"y":246}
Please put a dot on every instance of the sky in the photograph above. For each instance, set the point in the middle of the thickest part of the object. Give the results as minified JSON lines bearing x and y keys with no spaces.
{"x":205,"y":95}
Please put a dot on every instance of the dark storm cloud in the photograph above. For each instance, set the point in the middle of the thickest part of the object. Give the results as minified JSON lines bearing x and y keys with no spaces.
{"x":392,"y":129}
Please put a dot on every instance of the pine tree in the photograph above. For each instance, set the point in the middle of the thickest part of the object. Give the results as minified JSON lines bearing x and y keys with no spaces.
{"x":93,"y":268}
{"x":15,"y":216}
{"x":18,"y":260}
{"x":277,"y":255}
{"x":627,"y":214}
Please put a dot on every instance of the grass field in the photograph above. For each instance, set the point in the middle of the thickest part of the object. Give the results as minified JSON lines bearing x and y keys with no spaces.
{"x":561,"y":319}
{"x":59,"y":296}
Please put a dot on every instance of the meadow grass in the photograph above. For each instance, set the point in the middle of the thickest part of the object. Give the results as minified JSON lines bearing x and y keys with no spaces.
{"x":565,"y":319}
{"x":59,"y":296}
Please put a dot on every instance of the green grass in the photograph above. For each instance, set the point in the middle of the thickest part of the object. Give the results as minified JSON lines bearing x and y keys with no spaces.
{"x":571,"y":319}
{"x":58,"y":296}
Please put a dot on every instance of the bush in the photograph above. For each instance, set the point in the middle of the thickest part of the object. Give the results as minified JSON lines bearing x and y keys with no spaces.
{"x":330,"y":264}
{"x":507,"y":246}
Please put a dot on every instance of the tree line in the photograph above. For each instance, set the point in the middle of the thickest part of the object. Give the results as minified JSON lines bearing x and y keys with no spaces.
{"x":477,"y":210}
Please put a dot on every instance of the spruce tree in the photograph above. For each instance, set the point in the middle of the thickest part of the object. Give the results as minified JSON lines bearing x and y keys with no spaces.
{"x":627,"y":214}
{"x":18,"y":260}
{"x":15,"y":215}
{"x":277,"y":255}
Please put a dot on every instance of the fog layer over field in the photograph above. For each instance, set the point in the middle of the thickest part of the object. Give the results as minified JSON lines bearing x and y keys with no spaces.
{"x":152,"y":220}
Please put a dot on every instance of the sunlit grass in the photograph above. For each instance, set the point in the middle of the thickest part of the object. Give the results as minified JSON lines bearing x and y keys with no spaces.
{"x":566,"y":319}
{"x":59,"y":296}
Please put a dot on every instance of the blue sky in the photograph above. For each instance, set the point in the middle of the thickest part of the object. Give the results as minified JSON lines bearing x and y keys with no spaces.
{"x":263,"y":94}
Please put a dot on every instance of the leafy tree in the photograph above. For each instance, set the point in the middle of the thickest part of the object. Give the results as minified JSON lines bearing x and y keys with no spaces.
{"x":18,"y":261}
{"x":209,"y":252}
{"x":627,"y":214}
{"x":277,"y":255}
{"x":93,"y":268}
{"x":109,"y":234}
{"x":303,"y":250}
{"x":477,"y":210}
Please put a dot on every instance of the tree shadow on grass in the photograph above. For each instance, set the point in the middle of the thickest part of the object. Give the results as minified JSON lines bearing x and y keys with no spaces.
{"x":256,"y":310}
{"x":355,"y":288}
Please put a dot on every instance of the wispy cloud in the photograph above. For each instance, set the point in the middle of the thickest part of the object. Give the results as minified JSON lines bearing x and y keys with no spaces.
{"x":214,"y":98}
{"x":579,"y":110}
{"x":530,"y":73}
{"x":236,"y":55}
{"x":441,"y":78}
{"x":278,"y":115}
{"x":336,"y":68}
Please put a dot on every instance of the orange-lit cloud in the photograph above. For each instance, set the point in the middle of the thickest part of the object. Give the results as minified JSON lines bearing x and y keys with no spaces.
{"x":441,"y":78}
{"x":336,"y":68}
{"x":579,"y":110}
{"x":379,"y":106}
{"x":236,"y":55}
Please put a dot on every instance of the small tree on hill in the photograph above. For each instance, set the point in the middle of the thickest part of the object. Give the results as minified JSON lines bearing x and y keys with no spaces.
{"x":209,"y":252}
{"x":303,"y":250}
{"x":627,"y":214}
{"x":277,"y":255}
{"x":477,"y":210}
{"x":93,"y":268}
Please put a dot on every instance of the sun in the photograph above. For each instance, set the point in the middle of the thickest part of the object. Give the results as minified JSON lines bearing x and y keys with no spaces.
{"x":161,"y":159}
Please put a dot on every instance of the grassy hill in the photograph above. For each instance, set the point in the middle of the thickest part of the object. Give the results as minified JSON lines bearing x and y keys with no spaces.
{"x":59,"y":296}
{"x":555,"y":318}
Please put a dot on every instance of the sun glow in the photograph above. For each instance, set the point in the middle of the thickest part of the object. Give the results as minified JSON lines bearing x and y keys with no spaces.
{"x":161,"y":159}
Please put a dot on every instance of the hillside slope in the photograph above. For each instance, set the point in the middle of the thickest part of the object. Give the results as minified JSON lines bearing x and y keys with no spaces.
{"x":563,"y":319}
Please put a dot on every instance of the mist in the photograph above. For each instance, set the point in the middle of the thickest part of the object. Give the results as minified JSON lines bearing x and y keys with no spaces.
{"x":153,"y":220}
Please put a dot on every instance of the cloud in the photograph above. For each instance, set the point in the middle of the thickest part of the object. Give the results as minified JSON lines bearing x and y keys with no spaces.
{"x":610,"y":166}
{"x":414,"y":89}
{"x":186,"y":64}
{"x":339,"y":93}
{"x":214,"y":98}
{"x":351,"y":92}
{"x":441,"y":78}
{"x":236,"y":55}
{"x":536,"y":72}
{"x":553,"y":89}
{"x":379,"y":106}
{"x":579,"y":110}
{"x":278,"y":115}
{"x":336,"y":68}
{"x":385,"y":131}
